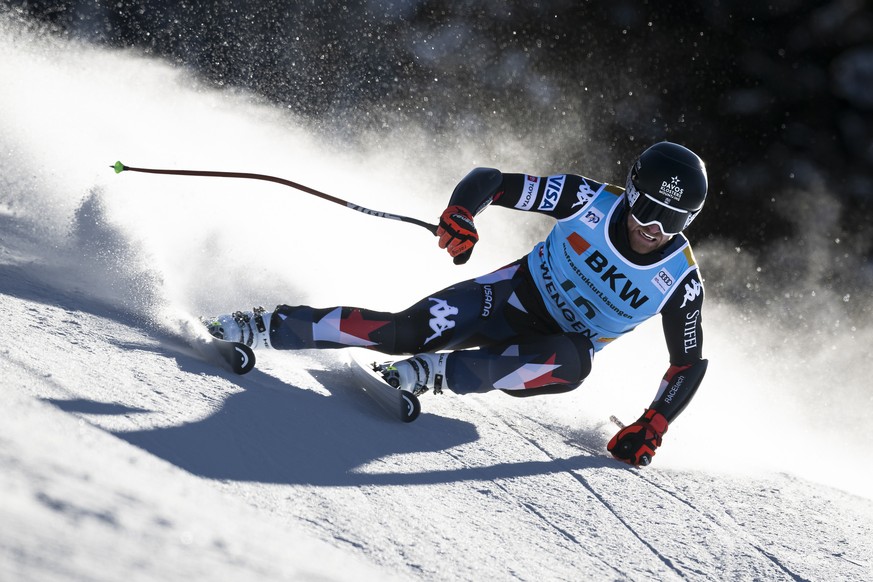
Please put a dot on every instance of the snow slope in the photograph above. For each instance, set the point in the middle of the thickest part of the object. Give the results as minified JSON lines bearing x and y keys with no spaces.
{"x":124,"y":455}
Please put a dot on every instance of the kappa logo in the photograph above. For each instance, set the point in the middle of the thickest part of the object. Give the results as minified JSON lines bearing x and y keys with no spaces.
{"x":440,"y":322}
{"x":692,"y":291}
{"x":584,"y":195}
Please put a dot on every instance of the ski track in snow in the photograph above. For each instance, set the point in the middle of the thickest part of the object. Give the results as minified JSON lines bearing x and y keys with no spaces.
{"x":665,"y":489}
{"x":124,"y":455}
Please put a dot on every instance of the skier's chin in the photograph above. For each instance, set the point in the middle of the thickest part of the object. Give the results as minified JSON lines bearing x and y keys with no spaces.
{"x":644,"y":240}
{"x":643,"y":244}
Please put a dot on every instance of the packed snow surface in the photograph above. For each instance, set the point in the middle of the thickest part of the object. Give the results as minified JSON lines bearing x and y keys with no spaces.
{"x":125,"y":455}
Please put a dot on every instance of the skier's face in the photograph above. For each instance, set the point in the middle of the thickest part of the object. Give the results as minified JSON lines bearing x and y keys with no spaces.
{"x":645,"y":239}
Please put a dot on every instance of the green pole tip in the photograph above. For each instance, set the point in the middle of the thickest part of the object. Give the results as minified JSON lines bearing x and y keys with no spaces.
{"x":119,"y":167}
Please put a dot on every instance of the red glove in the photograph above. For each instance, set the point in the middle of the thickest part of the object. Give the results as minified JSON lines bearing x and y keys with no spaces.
{"x":457,"y":233}
{"x":635,"y":444}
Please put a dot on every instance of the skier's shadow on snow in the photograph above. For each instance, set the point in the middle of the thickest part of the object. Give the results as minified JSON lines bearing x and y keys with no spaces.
{"x":272,"y":432}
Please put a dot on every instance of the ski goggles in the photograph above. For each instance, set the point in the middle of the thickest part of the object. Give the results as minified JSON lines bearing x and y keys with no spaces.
{"x":647,"y":210}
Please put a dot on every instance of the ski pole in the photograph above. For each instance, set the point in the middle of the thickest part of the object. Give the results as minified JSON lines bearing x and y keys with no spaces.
{"x":432,"y":228}
{"x":617,"y":422}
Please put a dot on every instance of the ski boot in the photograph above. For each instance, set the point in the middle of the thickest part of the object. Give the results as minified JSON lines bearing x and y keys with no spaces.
{"x":417,"y":374}
{"x":251,"y":328}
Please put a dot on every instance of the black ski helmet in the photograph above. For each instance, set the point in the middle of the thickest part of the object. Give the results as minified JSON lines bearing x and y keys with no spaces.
{"x":666,"y":186}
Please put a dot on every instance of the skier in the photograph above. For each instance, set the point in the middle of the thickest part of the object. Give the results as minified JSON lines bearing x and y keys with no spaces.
{"x":615,"y":258}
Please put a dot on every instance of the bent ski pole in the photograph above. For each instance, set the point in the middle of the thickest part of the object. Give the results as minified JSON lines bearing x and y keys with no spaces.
{"x":432,"y":228}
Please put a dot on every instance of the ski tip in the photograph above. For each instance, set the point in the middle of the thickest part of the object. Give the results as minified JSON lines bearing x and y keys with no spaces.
{"x":244,"y":361}
{"x":118,"y":167}
{"x":410,"y":407}
{"x":238,"y":357}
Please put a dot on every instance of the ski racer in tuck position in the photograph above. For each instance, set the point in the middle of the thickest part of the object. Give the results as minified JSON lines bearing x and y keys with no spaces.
{"x":614,"y":258}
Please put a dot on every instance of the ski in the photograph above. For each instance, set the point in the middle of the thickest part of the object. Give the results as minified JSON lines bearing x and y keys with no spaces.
{"x":399,"y":403}
{"x":237,"y":356}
